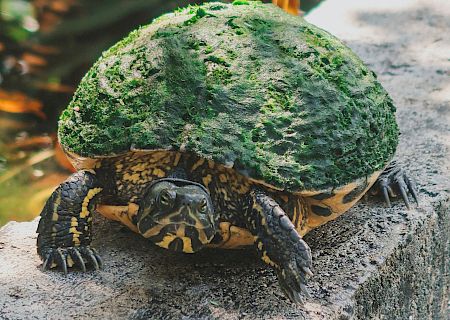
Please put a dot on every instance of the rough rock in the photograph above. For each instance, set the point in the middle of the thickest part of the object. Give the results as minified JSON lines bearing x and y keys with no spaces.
{"x":372,"y":263}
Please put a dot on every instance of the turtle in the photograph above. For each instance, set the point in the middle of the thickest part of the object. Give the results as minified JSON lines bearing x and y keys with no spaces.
{"x":224,"y":126}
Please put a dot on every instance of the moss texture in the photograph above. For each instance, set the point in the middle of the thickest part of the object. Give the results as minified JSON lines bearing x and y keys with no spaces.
{"x":244,"y":85}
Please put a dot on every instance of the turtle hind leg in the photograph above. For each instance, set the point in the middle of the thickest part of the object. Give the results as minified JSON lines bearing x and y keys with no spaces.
{"x":394,"y":181}
{"x":64,"y":231}
{"x":279,"y":244}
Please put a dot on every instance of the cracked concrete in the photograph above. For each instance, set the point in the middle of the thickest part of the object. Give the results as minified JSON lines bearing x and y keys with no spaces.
{"x":372,"y":263}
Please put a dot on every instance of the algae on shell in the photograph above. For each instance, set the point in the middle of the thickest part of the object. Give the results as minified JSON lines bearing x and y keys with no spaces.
{"x":281,"y":99}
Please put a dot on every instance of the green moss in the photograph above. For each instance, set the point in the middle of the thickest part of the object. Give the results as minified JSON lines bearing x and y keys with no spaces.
{"x":199,"y":13}
{"x":126,"y":41}
{"x":208,"y":49}
{"x":221,"y":75}
{"x":165,"y":33}
{"x":217,"y":6}
{"x":217,"y":60}
{"x":277,"y":101}
{"x":282,"y":100}
{"x":195,"y":45}
{"x":232,"y":54}
{"x":237,"y":29}
{"x":240,"y":3}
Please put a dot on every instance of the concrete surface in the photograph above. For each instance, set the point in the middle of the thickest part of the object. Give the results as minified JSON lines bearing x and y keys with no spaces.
{"x":372,"y":263}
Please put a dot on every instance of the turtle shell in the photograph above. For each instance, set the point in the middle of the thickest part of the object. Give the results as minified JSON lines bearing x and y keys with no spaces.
{"x":246,"y":85}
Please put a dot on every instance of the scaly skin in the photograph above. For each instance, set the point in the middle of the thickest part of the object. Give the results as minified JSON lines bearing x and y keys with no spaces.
{"x":65,"y":226}
{"x":279,"y":244}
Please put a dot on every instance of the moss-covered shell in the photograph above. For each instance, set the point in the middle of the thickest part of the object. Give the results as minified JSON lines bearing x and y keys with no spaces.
{"x":244,"y":84}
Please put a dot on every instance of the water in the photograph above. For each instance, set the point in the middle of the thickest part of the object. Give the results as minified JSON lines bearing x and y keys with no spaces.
{"x":28,"y":169}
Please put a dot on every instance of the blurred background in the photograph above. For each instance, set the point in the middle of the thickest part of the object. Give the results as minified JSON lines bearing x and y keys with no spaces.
{"x":46,"y":46}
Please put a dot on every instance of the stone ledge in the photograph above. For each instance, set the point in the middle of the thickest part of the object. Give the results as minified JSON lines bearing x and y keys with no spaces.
{"x":373,"y":262}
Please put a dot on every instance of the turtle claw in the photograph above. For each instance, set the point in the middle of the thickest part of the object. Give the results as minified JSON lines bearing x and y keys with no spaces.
{"x":384,"y":190}
{"x":412,"y":189}
{"x":92,"y":259}
{"x":293,"y":274}
{"x":297,"y":298}
{"x":61,"y":259}
{"x":393,"y":182}
{"x":305,"y":291}
{"x":292,"y":295}
{"x":292,"y":284}
{"x":404,"y":195}
{"x":307,"y":271}
{"x":98,"y":258}
{"x":80,"y":256}
{"x":47,"y":262}
{"x":77,"y":259}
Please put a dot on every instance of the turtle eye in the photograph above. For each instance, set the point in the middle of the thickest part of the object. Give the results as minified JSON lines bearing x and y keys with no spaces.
{"x":203,"y":206}
{"x":166,"y":198}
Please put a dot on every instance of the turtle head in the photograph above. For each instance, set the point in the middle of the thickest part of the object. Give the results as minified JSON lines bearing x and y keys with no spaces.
{"x":177,"y":214}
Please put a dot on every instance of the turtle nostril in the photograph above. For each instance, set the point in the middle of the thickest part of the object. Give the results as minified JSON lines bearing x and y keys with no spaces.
{"x":186,"y":202}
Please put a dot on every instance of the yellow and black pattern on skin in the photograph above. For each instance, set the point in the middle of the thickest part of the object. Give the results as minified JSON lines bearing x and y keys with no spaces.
{"x":325,"y":206}
{"x":126,"y":175}
{"x":232,"y":237}
{"x":64,"y":231}
{"x":130,"y":173}
{"x":306,"y":209}
{"x":230,"y":192}
{"x":279,"y":243}
{"x":134,"y":171}
{"x":182,"y":238}
{"x":179,"y":230}
{"x":123,"y":214}
{"x":250,"y":207}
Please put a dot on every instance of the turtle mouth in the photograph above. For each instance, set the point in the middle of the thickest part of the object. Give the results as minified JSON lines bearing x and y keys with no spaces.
{"x":185,"y":216}
{"x":180,"y":236}
{"x":178,"y":244}
{"x":183,"y":223}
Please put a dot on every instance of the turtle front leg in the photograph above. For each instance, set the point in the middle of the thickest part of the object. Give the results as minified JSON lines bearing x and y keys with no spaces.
{"x":394,"y":181}
{"x":279,"y":244}
{"x":64,"y":231}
